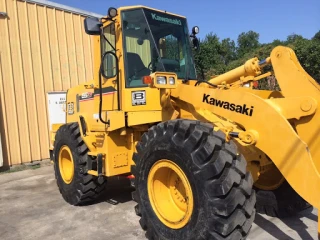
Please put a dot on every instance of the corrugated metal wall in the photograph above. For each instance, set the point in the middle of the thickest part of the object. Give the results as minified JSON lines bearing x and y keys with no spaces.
{"x":42,"y":49}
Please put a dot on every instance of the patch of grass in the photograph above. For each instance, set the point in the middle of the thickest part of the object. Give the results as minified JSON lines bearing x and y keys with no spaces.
{"x":21,"y":168}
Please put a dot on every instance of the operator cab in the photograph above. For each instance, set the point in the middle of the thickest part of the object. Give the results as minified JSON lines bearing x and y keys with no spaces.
{"x":153,"y":41}
{"x":142,"y":50}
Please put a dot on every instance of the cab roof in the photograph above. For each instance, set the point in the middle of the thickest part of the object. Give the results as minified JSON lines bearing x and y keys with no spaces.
{"x":154,"y":9}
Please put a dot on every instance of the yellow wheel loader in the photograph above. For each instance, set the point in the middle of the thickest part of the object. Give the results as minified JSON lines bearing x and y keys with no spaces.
{"x":204,"y":156}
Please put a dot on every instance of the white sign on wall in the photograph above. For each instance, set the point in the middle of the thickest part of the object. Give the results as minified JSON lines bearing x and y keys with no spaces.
{"x":56,"y":107}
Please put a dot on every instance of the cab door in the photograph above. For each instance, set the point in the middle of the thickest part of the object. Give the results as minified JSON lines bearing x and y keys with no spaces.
{"x":139,"y":52}
{"x":138,"y":96}
{"x":108,"y":115}
{"x":108,"y":74}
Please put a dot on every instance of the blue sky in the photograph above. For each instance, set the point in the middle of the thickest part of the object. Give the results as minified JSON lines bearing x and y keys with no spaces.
{"x":272,"y":19}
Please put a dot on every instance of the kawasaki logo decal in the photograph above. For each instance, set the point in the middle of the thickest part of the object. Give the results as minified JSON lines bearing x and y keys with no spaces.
{"x":165,"y":19}
{"x":243,"y":109}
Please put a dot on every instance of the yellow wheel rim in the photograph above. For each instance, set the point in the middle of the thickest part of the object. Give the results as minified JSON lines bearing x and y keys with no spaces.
{"x":170,"y":194}
{"x":66,"y":165}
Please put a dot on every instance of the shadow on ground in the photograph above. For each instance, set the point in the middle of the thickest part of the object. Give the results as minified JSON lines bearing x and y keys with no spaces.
{"x":117,"y":191}
{"x":294,"y":223}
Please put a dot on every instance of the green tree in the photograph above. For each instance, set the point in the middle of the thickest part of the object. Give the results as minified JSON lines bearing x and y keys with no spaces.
{"x":228,"y":51}
{"x":316,"y":36}
{"x":277,"y":42}
{"x":247,"y":42}
{"x":292,"y":38}
{"x":216,"y":57}
{"x":308,"y":53}
{"x":208,"y":56}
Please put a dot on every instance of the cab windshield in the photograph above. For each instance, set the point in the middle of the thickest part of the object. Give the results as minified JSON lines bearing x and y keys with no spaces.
{"x":155,"y":41}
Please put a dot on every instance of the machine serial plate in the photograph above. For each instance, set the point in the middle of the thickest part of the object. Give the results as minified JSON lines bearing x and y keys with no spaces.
{"x":70,"y":108}
{"x":138,"y":98}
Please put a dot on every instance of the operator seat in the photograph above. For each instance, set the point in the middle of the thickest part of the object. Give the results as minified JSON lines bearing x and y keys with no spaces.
{"x":136,"y":69}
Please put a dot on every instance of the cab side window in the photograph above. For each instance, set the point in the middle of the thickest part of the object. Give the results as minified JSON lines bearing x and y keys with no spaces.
{"x":109,"y":44}
{"x":138,"y":47}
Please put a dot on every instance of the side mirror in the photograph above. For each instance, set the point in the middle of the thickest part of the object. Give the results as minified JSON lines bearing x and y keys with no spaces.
{"x":194,"y":39}
{"x":109,"y":67}
{"x":195,"y":30}
{"x":112,"y":12}
{"x":92,"y":26}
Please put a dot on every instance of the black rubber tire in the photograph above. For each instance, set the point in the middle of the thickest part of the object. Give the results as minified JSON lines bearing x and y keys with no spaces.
{"x":84,"y":188}
{"x":281,"y":202}
{"x":224,"y":201}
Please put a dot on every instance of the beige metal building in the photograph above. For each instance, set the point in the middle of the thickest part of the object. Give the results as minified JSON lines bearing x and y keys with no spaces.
{"x":43,"y":48}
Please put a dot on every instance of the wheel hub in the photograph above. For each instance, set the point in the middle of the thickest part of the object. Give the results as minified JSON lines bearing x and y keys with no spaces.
{"x":270,"y":179}
{"x":66,"y":165}
{"x":170,"y":194}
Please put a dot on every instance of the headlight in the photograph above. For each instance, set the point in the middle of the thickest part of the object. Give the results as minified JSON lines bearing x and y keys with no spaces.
{"x":161,"y":80}
{"x":172,"y":81}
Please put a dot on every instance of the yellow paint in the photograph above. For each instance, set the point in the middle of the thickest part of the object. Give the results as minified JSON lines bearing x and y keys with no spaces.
{"x":92,"y":172}
{"x":118,"y":153}
{"x":294,"y":153}
{"x":294,"y":107}
{"x":53,"y":132}
{"x":152,"y":99}
{"x":143,"y":117}
{"x":120,"y":159}
{"x":267,"y":121}
{"x":278,"y":131}
{"x":66,"y":164}
{"x":250,"y":68}
{"x":167,"y":76}
{"x":170,"y":194}
{"x":270,"y":178}
{"x":141,"y":6}
{"x":115,"y":118}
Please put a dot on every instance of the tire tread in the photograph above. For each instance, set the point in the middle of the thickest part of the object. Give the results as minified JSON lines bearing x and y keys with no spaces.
{"x":86,"y":188}
{"x":218,"y":165}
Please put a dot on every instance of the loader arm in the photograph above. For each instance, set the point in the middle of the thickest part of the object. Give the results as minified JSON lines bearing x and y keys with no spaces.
{"x":286,"y":129}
